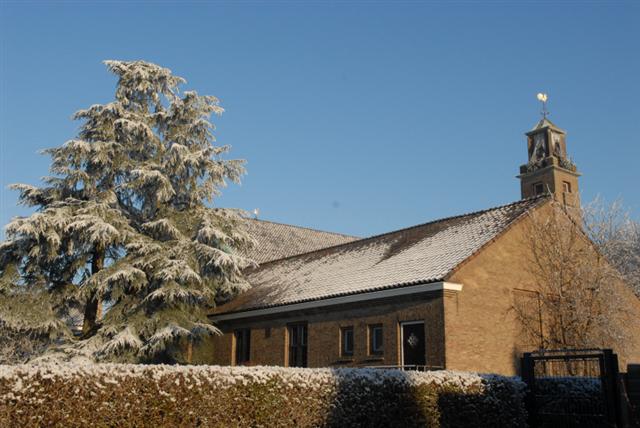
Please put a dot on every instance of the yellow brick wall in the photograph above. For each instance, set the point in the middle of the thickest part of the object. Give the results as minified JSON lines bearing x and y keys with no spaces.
{"x":473,"y":330}
{"x":324,"y":334}
{"x":480,"y":328}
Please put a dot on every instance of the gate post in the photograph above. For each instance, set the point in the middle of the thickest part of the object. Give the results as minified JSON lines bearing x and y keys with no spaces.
{"x":527,"y":373}
{"x":609,"y":379}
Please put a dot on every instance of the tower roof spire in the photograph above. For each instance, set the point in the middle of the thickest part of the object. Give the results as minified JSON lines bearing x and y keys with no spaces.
{"x":546,"y":123}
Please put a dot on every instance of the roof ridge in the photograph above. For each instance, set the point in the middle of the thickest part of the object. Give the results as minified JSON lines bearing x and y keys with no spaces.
{"x":373,"y":237}
{"x":306,"y":228}
{"x":457,"y":216}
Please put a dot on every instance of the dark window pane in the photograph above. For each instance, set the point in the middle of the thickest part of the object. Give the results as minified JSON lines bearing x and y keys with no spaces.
{"x":297,"y":345}
{"x":347,"y":341}
{"x":243,"y":345}
{"x":376,"y":339}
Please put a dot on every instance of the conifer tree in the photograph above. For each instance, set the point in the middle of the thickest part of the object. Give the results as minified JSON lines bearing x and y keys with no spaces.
{"x":121,"y":237}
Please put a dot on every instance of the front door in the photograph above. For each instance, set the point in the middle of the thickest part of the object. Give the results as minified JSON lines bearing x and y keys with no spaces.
{"x":298,"y":345}
{"x":413,"y":344}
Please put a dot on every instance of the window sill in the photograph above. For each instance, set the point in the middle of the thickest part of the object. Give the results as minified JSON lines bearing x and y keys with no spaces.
{"x":375,"y":358}
{"x":345,"y":360}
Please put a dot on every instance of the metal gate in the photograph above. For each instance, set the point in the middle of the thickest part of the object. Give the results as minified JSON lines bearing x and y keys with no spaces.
{"x":571,"y":388}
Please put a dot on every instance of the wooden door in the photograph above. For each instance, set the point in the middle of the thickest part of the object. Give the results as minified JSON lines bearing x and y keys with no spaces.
{"x":413,"y":344}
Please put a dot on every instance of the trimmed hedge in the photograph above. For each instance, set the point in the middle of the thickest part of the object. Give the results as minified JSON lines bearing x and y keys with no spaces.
{"x":113,"y":395}
{"x":577,"y":396}
{"x":582,"y":387}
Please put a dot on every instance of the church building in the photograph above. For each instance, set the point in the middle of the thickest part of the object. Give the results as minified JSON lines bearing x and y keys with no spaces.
{"x":431,"y":296}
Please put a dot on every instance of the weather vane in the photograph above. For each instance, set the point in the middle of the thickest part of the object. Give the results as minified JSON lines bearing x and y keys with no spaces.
{"x":543,"y":99}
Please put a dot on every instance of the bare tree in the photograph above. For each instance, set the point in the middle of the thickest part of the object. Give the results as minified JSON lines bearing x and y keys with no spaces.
{"x":574,"y":302}
{"x":617,"y":236}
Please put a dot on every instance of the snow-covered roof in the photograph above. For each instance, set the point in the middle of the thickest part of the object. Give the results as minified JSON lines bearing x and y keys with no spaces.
{"x":277,"y":241}
{"x":416,"y":255}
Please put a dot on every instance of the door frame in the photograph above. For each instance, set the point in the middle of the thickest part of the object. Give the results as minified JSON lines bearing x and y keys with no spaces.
{"x":289,"y":326}
{"x":402,"y":324}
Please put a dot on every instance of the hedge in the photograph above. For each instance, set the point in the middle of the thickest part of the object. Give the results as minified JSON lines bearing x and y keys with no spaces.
{"x":113,"y":395}
{"x":578,"y":396}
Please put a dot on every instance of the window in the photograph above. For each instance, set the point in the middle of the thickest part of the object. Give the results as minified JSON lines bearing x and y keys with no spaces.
{"x":376,"y":345}
{"x":538,"y":188}
{"x":566,"y":187}
{"x":297,"y":345}
{"x":346,"y":341}
{"x":243,"y":345}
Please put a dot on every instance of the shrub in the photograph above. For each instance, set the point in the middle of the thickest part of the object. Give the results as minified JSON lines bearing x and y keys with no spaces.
{"x":587,"y":387}
{"x":569,"y":399}
{"x":113,"y":395}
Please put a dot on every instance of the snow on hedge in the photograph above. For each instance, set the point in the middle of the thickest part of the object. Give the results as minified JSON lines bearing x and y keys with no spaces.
{"x":227,"y":376}
{"x":570,"y":386}
{"x":161,"y":395}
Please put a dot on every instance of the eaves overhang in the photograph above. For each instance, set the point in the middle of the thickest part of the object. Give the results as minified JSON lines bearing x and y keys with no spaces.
{"x":340,"y":300}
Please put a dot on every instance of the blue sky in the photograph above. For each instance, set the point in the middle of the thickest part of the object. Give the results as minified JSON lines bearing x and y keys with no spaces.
{"x":357,"y":117}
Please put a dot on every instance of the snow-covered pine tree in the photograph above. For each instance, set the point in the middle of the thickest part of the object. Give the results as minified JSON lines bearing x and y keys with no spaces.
{"x":122,"y":224}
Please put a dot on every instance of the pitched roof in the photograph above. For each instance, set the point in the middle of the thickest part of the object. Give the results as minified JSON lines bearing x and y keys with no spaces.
{"x":546,"y":123}
{"x":415,"y":255}
{"x":277,"y":241}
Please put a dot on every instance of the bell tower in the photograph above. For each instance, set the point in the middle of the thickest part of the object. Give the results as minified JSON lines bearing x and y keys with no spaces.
{"x":549,"y":169}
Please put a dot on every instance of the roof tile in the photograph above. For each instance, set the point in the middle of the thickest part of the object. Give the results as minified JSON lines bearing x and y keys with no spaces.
{"x":277,"y":241}
{"x":419,"y":254}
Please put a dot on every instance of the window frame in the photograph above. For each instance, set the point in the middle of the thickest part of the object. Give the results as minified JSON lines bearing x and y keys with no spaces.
{"x":373,"y":349}
{"x":344,"y":352}
{"x":535,"y":188}
{"x":299,"y":331}
{"x":242,"y":346}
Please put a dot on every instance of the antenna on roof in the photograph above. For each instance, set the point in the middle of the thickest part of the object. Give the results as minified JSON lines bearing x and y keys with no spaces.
{"x":256,"y":212}
{"x":542,"y":97}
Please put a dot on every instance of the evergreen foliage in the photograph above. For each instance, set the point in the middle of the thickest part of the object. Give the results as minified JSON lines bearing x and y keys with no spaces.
{"x":107,"y":395}
{"x":121,"y":237}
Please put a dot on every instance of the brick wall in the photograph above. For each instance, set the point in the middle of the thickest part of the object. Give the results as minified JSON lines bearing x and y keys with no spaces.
{"x":269,"y":335}
{"x":480,"y":328}
{"x":472,"y":330}
{"x":481,"y":332}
